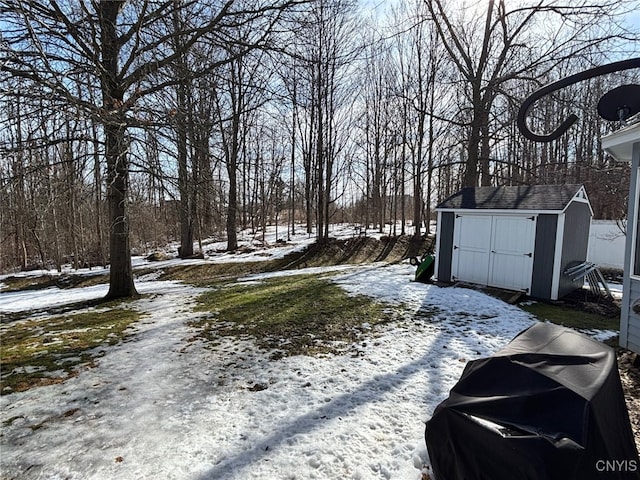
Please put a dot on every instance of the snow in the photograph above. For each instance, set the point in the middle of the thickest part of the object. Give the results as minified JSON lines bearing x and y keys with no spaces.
{"x":164,"y":404}
{"x":253,"y":247}
{"x":22,"y":300}
{"x":616,"y":290}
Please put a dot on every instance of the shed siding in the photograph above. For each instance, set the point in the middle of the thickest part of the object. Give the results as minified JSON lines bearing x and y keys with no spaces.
{"x":544,"y":253}
{"x":574,"y":244}
{"x":445,"y":250}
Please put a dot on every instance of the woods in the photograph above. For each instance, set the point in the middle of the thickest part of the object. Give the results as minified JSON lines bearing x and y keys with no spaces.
{"x":129,"y":125}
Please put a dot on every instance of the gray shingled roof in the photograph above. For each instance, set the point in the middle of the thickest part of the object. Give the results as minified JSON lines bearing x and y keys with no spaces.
{"x":521,"y":197}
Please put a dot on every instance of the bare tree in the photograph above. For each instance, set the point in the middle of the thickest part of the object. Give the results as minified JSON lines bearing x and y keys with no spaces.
{"x":326,"y":52}
{"x":487,"y":42}
{"x":170,"y":115}
{"x":119,"y":46}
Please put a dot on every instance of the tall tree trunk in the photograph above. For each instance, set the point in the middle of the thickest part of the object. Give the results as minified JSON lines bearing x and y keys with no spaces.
{"x":66,"y":151}
{"x":18,"y":173}
{"x":292,"y":180}
{"x":320,"y":156}
{"x":121,"y":273}
{"x":485,"y":154}
{"x":182,"y":117}
{"x":232,"y":163}
{"x":232,"y":208}
{"x":97,"y":179}
{"x":54,"y":216}
{"x":184,"y":188}
{"x":473,"y":145}
{"x":430,"y":167}
{"x":21,"y":245}
{"x":308,"y":173}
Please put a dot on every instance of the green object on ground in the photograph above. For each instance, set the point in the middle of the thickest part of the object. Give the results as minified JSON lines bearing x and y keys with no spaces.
{"x":426,"y":269}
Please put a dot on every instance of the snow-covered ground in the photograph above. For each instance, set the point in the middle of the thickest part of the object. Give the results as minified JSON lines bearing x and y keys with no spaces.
{"x":164,"y":405}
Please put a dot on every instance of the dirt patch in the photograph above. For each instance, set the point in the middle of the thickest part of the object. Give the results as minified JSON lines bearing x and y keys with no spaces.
{"x":613,"y":275}
{"x":582,"y":299}
{"x":333,"y":251}
{"x":358,"y":250}
{"x":16,"y":283}
{"x":211,"y":272}
{"x":629,"y":367}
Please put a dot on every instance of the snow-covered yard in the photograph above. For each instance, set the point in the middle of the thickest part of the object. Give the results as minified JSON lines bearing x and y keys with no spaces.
{"x":165,"y":404}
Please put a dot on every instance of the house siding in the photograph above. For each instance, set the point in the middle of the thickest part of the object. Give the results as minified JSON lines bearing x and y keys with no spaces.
{"x":624,"y":145}
{"x":445,"y":250}
{"x":544,"y":253}
{"x":575,"y":244}
{"x":633,"y":319}
{"x":629,"y":321}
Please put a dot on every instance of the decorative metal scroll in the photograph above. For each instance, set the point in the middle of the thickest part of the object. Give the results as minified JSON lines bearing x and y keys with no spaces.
{"x":619,"y":104}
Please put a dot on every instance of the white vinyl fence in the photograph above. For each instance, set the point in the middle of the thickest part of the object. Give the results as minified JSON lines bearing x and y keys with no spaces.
{"x":606,"y":244}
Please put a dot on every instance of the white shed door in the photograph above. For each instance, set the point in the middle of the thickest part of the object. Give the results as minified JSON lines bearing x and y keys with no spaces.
{"x":494,"y":250}
{"x":471,"y":248}
{"x":512,"y":244}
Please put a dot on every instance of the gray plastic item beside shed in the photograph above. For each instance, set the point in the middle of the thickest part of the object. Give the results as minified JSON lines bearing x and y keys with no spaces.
{"x":519,"y":238}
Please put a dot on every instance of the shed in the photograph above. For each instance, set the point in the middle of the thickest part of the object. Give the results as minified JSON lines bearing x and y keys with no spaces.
{"x":519,"y":238}
{"x":624,"y":146}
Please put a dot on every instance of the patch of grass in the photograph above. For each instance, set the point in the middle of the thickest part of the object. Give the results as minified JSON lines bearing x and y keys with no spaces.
{"x":48,"y":350}
{"x":571,"y":317}
{"x":301,"y":314}
{"x":212,"y":273}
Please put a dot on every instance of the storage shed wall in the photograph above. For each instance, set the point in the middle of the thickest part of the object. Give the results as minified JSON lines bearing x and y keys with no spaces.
{"x":543,"y":257}
{"x":575,"y":243}
{"x":445,"y":248}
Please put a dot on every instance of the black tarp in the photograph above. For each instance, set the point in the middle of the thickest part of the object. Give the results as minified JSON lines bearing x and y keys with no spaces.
{"x":548,"y":406}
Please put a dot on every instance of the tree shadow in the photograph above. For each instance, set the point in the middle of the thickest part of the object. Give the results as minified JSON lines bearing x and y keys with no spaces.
{"x":429,"y":363}
{"x":340,"y":406}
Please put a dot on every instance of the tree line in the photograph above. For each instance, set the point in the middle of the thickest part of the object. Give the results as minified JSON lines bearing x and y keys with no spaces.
{"x":129,"y":125}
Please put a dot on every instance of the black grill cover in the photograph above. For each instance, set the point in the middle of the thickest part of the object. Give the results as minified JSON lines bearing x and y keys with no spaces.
{"x":548,"y":406}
